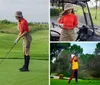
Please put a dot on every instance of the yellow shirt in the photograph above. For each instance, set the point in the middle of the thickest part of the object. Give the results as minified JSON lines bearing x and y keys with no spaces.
{"x":74,"y":64}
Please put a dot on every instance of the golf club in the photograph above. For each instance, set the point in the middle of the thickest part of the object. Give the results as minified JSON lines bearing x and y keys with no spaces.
{"x":7,"y":53}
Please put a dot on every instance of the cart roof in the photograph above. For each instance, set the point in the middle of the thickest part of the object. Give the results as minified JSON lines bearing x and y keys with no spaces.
{"x":69,"y":1}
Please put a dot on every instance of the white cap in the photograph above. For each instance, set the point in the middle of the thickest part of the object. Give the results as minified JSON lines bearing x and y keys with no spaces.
{"x":72,"y":55}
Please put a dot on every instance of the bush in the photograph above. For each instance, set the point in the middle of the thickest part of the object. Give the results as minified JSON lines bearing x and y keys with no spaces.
{"x":83,"y":74}
{"x":38,"y":27}
{"x":6,"y":22}
{"x":55,"y":12}
{"x":67,"y":74}
{"x":30,"y":23}
{"x":93,"y":66}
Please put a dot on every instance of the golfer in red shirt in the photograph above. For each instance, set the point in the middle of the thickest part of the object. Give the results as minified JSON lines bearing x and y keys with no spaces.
{"x":24,"y":33}
{"x":69,"y":21}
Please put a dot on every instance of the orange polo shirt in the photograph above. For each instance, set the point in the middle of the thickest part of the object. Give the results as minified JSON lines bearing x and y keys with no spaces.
{"x":69,"y":21}
{"x":23,"y":26}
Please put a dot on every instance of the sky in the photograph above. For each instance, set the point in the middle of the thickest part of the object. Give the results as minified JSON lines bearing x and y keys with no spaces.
{"x":88,"y":47}
{"x":33,"y":10}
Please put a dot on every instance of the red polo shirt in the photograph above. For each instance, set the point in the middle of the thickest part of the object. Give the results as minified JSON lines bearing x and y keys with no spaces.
{"x":69,"y":21}
{"x":23,"y":26}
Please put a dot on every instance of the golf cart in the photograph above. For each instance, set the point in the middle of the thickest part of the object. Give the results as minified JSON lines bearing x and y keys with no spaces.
{"x":87,"y":31}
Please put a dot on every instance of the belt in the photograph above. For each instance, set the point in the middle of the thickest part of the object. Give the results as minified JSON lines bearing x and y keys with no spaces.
{"x":68,"y":28}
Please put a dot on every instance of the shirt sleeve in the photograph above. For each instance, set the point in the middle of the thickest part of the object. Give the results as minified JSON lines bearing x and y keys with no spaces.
{"x":75,"y":21}
{"x":60,"y":20}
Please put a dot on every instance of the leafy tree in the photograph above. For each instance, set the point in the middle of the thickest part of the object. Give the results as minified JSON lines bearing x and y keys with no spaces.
{"x":54,"y":47}
{"x":97,"y":49}
{"x":93,"y":66}
{"x":63,"y":45}
{"x":55,"y":12}
{"x":98,"y":45}
{"x":86,"y":57}
{"x":77,"y":49}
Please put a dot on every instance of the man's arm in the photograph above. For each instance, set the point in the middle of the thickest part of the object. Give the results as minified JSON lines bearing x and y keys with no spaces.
{"x":23,"y":34}
{"x":20,"y":35}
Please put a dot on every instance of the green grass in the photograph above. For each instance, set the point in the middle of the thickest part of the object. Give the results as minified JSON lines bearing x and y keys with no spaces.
{"x":81,"y":82}
{"x":39,"y":45}
{"x":10,"y":75}
{"x":92,"y":10}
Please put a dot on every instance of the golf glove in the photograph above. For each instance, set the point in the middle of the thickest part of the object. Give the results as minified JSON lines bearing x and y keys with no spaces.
{"x":16,"y":41}
{"x":61,"y":25}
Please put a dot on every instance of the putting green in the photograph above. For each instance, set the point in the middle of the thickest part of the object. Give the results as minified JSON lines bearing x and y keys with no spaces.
{"x":81,"y":82}
{"x":10,"y":75}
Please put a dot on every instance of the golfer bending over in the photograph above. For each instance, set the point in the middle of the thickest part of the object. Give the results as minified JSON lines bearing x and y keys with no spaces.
{"x":74,"y":62}
{"x":24,"y":33}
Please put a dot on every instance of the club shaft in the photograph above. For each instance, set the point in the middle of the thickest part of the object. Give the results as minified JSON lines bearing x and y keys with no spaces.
{"x":7,"y":53}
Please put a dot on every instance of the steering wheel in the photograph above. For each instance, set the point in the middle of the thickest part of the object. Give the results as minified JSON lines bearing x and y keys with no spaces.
{"x":54,"y":38}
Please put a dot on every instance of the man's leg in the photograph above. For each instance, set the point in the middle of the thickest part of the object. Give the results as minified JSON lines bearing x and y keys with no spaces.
{"x":24,"y":44}
{"x":76,"y":76}
{"x":73,"y":71}
{"x":27,"y":59}
{"x":26,"y":48}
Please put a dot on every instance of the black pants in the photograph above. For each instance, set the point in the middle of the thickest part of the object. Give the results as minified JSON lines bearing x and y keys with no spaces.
{"x":76,"y":75}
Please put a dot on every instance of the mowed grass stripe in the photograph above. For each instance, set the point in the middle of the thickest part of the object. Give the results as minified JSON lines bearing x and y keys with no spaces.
{"x":39,"y":46}
{"x":10,"y":75}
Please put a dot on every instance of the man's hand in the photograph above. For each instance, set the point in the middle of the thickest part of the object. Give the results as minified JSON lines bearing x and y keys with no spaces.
{"x":78,"y":27}
{"x":16,"y":41}
{"x":61,"y":25}
{"x":76,"y":60}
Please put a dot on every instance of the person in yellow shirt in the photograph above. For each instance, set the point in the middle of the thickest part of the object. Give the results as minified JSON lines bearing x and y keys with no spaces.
{"x":74,"y":62}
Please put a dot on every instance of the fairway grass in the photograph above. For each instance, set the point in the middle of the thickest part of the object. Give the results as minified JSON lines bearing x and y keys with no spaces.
{"x":39,"y":45}
{"x":10,"y":75}
{"x":81,"y":82}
